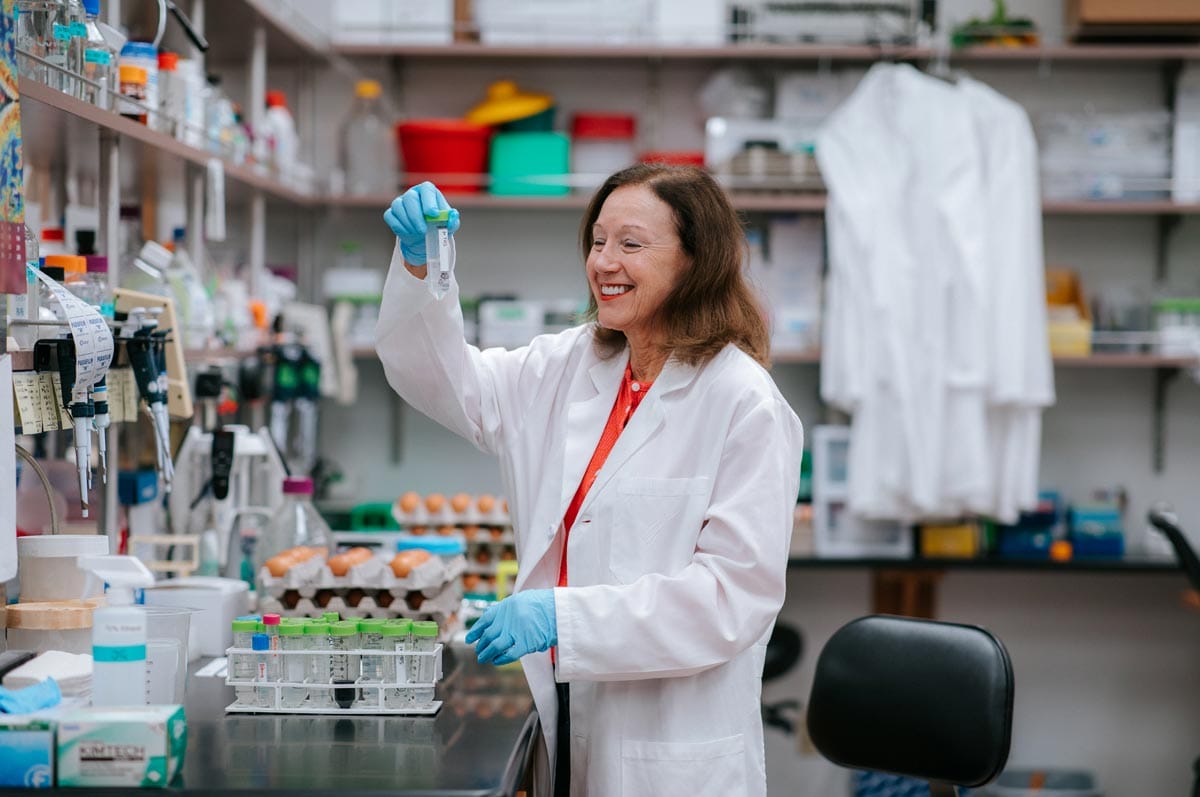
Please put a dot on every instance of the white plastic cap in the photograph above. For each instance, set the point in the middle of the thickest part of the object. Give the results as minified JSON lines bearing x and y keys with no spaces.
{"x":155,"y":254}
{"x":123,"y":574}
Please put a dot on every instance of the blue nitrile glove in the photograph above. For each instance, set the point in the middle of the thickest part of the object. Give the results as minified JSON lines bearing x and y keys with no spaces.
{"x":45,"y":694}
{"x":406,"y":217}
{"x":516,"y":626}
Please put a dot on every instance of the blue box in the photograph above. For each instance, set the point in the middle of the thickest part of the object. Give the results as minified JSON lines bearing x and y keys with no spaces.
{"x":1096,"y":531}
{"x":26,"y":752}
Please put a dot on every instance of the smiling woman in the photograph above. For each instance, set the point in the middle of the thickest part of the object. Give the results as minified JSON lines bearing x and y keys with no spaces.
{"x":671,"y":235}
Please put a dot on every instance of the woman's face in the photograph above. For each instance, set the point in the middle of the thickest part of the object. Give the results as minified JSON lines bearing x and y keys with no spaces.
{"x":635,"y":261}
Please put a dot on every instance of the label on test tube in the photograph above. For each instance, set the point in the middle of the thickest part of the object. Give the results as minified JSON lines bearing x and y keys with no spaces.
{"x":93,"y":338}
{"x":445,"y":261}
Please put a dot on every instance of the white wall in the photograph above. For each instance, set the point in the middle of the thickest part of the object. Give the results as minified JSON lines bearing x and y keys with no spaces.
{"x":1106,"y":665}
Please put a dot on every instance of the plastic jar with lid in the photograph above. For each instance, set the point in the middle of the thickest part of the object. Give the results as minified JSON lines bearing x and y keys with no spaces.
{"x":133,"y":92}
{"x":397,"y":636}
{"x":317,"y":634}
{"x":53,"y":242}
{"x":144,"y":56}
{"x":424,"y":636}
{"x":600,"y":145}
{"x":292,"y":642}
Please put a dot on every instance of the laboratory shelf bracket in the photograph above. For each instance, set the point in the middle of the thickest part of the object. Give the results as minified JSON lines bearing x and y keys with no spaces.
{"x":1163,"y":377}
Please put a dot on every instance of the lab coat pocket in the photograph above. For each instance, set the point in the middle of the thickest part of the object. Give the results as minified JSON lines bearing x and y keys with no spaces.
{"x":684,"y":768}
{"x":579,"y":764}
{"x":656,"y":523}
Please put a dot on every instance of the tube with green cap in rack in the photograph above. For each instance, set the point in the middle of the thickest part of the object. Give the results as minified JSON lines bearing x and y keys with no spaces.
{"x":439,"y":251}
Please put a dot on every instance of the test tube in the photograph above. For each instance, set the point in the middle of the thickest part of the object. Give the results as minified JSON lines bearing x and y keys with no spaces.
{"x":439,"y":250}
{"x":371,"y":638}
{"x":317,"y":634}
{"x":292,"y":641}
{"x":424,"y":634}
{"x":343,"y":663}
{"x":266,"y":673}
{"x":241,"y":665}
{"x":397,"y":637}
{"x":271,"y":628}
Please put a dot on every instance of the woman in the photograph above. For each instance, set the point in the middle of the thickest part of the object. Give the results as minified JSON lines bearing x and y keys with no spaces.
{"x":652,"y":469}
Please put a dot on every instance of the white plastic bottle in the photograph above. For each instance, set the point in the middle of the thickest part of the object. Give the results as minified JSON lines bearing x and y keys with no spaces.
{"x":118,"y":632}
{"x":282,"y":141}
{"x":368,"y":144}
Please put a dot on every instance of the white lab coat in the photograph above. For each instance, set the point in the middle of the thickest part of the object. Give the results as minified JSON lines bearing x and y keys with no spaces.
{"x":920,"y":200}
{"x":677,"y":559}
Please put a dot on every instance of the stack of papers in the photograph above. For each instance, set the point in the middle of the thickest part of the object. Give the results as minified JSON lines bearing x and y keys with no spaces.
{"x":72,"y":671}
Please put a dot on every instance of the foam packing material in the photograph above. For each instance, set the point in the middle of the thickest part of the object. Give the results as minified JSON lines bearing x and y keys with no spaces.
{"x":72,"y":671}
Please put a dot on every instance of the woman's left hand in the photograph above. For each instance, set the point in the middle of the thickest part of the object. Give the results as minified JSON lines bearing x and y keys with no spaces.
{"x":520,"y":624}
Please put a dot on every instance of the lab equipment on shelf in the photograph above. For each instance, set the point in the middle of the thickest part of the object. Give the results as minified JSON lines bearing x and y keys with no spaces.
{"x":341,"y":667}
{"x":368,"y":149}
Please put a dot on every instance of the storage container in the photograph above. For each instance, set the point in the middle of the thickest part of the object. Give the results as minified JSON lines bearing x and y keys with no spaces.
{"x":47,"y":566}
{"x":530,"y":164}
{"x":603,"y":144}
{"x":452,"y":153}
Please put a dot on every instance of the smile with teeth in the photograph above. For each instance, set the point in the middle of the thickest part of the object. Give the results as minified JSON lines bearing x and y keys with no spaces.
{"x":614,"y":290}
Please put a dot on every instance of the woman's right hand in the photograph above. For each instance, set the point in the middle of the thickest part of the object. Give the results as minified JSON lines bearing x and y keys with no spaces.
{"x":406,"y":218}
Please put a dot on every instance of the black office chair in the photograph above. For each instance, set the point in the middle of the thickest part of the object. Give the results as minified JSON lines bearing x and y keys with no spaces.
{"x":918,"y":698}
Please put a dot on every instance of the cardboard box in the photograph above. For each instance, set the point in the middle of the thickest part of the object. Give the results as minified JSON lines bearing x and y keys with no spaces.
{"x":26,"y":752}
{"x":1132,"y":17}
{"x":136,"y":746}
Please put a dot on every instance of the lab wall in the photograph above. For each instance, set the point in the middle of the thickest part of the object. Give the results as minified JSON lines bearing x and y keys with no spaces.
{"x":1106,"y":665}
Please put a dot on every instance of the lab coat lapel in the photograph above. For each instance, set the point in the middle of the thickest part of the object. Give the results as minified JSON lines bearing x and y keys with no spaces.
{"x":585,"y":423}
{"x":645,"y":421}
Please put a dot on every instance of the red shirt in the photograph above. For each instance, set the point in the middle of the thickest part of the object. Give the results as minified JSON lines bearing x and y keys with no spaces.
{"x":628,"y":397}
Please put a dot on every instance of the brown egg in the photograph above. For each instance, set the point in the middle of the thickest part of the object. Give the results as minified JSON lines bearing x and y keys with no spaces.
{"x":446,"y":531}
{"x":486,"y":504}
{"x":469,"y":532}
{"x":409,"y":502}
{"x":508,"y":556}
{"x":417,"y":530}
{"x":435,"y":502}
{"x":484,"y":556}
{"x":497,"y":532}
{"x":470,"y":582}
{"x":460,"y":503}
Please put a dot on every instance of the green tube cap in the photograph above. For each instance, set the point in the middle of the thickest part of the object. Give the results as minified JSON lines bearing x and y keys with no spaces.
{"x":245,"y":626}
{"x":437,"y":215}
{"x":291,"y":629}
{"x":343,"y":628}
{"x":397,"y":628}
{"x":317,"y":628}
{"x":425,"y":628}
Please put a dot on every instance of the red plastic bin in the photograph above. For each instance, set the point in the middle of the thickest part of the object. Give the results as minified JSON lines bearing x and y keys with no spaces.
{"x":442,"y":150}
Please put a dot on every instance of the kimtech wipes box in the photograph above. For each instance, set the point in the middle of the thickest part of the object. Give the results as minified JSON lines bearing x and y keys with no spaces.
{"x":140,"y":746}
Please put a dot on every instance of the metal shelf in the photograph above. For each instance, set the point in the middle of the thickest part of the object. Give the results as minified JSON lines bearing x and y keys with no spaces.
{"x":45,"y":109}
{"x":1129,"y":565}
{"x":778,"y":52}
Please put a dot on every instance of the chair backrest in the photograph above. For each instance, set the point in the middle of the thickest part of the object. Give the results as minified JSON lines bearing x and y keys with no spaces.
{"x":920,"y":698}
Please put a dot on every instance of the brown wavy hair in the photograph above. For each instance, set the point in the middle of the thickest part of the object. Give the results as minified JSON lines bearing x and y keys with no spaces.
{"x":713,"y":304}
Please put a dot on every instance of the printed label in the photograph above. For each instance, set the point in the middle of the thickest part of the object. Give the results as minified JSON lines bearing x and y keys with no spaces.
{"x":102,"y":57}
{"x":62,"y":32}
{"x":78,"y":29}
{"x":118,"y":653}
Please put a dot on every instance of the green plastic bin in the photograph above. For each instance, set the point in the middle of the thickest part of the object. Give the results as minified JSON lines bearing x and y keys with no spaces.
{"x":530,"y":164}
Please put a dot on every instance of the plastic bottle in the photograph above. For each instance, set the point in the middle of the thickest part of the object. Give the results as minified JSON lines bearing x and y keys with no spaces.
{"x":133,"y":91}
{"x":297,"y":523}
{"x":241,"y":665}
{"x":118,"y":631}
{"x":171,"y":93}
{"x":265,"y":672}
{"x":317,"y":634}
{"x":27,"y":306}
{"x":71,"y":30}
{"x":424,"y":636}
{"x":283,"y":143}
{"x":144,"y":55}
{"x":97,"y":278}
{"x":439,"y":251}
{"x":371,"y":638}
{"x":98,"y":60}
{"x":147,"y":272}
{"x":397,"y":636}
{"x":368,"y":145}
{"x":35,"y":35}
{"x":191,"y":299}
{"x":191,"y":82}
{"x":51,"y":308}
{"x":74,"y":275}
{"x":271,"y":624}
{"x":293,"y":669}
{"x":54,"y":242}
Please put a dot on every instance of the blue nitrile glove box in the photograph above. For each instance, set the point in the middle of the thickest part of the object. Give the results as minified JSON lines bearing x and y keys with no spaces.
{"x":1096,"y":531}
{"x":1034,"y":531}
{"x":136,"y":487}
{"x":26,"y":752}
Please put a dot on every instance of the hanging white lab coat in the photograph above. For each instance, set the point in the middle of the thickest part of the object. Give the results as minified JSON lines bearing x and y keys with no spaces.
{"x":911,"y":334}
{"x":677,"y":559}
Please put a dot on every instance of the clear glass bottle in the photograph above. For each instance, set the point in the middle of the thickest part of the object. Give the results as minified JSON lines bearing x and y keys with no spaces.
{"x":297,"y":523}
{"x":70,"y":33}
{"x":397,"y":636}
{"x":371,"y":638}
{"x":424,"y":636}
{"x":266,"y":670}
{"x":294,"y":665}
{"x":97,"y":278}
{"x":242,"y":665}
{"x":98,"y":60}
{"x":367,"y":143}
{"x":35,"y":35}
{"x":344,"y":661}
{"x":317,"y":635}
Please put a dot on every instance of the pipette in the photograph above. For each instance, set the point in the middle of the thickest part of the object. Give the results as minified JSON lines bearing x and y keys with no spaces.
{"x":74,"y":398}
{"x":140,"y":350}
{"x":101,"y":423}
{"x":308,"y":394}
{"x":283,"y":392}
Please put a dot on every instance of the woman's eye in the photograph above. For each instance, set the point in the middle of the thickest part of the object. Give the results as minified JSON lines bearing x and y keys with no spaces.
{"x":630,"y":246}
{"x":598,"y":243}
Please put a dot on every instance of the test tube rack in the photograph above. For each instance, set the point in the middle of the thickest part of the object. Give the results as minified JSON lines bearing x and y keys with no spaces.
{"x":368,"y":696}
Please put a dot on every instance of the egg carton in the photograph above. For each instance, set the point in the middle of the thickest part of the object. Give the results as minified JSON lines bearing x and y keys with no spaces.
{"x":487,"y":538}
{"x":439,"y":608}
{"x":376,"y":574}
{"x":448,"y":517}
